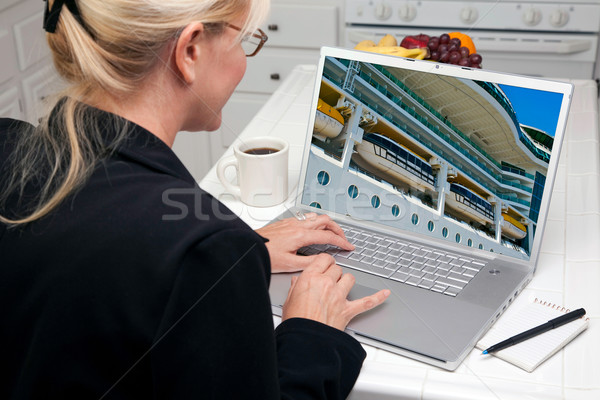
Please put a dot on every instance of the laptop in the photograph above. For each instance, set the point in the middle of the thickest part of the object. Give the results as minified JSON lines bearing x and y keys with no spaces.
{"x":441,"y":176}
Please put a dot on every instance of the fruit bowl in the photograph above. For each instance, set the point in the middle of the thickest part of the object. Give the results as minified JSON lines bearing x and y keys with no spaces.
{"x":452,"y":48}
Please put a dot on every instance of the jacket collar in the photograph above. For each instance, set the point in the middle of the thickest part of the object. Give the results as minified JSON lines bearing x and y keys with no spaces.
{"x":146,"y":148}
{"x":140,"y":145}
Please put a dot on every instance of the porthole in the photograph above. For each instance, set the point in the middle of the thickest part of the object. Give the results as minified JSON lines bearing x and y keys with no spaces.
{"x":470,"y":243}
{"x":414,"y":219}
{"x":323,"y":178}
{"x":353,"y":191}
{"x":480,"y":246}
{"x":445,"y":232}
{"x":375,"y":201}
{"x":491,"y":250}
{"x":457,"y":238}
{"x":430,"y":226}
{"x":315,"y":204}
{"x":395,"y":210}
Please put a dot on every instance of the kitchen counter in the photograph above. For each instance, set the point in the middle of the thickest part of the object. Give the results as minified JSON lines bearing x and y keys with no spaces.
{"x":568,"y":270}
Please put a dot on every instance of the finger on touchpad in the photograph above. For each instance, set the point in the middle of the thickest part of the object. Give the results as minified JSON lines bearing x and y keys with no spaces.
{"x":360,"y":291}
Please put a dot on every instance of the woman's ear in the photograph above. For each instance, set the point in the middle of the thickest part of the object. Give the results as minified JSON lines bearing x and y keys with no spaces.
{"x":187,"y":51}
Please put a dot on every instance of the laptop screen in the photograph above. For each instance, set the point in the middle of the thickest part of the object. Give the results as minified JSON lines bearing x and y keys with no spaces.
{"x":458,"y":159}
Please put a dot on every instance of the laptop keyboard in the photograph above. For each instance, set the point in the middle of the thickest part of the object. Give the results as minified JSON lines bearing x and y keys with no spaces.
{"x":409,"y":263}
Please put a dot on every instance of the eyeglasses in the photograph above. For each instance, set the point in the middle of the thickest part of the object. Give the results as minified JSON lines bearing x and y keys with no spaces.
{"x":251,"y":43}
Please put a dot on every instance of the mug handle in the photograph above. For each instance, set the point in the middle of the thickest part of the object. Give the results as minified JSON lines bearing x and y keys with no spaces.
{"x":222,"y":165}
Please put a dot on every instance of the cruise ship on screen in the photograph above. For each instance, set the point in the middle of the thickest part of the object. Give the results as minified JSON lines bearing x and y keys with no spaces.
{"x":444,"y":157}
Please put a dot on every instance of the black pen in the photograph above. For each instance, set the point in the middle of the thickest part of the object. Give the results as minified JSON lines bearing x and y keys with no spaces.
{"x":553,"y":323}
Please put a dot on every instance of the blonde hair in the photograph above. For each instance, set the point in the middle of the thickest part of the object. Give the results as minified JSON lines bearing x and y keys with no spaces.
{"x":118,"y":45}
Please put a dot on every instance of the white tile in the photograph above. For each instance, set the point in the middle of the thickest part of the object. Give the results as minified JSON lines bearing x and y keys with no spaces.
{"x":262,"y":126}
{"x":549,"y":273}
{"x":584,"y":157}
{"x":212,"y":186}
{"x":232,"y":202}
{"x":261,"y":216}
{"x":293,"y":181}
{"x":276,"y":106}
{"x":305,"y":96}
{"x":560,"y":183}
{"x":295,"y":134}
{"x":558,"y":204}
{"x":276,"y":320}
{"x":582,"y":125}
{"x":582,"y":394}
{"x":295,"y":158}
{"x":297,"y":114}
{"x":9,"y":64}
{"x":30,"y":41}
{"x":472,"y":387}
{"x":532,"y":293}
{"x":582,"y":287}
{"x":388,"y":382}
{"x":583,"y":237}
{"x":564,"y":151}
{"x":585,"y":97}
{"x":583,"y":195}
{"x":294,"y":86}
{"x":553,"y":241}
{"x":582,"y":368}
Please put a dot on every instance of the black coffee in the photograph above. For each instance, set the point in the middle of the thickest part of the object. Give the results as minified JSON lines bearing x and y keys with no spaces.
{"x":260,"y":151}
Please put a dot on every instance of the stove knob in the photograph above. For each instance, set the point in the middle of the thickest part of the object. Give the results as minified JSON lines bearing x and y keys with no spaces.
{"x":383,"y":11}
{"x":469,"y":15}
{"x":559,"y":18}
{"x":532,"y":16}
{"x":407,"y":12}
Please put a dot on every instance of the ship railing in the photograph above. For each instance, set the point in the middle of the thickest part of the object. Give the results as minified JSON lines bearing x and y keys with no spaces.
{"x":501,"y":99}
{"x":442,"y":119}
{"x":514,"y":199}
{"x":517,"y":171}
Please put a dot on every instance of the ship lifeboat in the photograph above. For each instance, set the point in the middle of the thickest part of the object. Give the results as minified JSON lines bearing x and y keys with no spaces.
{"x":469,"y":204}
{"x":512,"y":228}
{"x":328,"y":121}
{"x":387,"y":158}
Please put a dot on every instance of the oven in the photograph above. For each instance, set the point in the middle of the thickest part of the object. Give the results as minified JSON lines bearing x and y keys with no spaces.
{"x":541,"y":38}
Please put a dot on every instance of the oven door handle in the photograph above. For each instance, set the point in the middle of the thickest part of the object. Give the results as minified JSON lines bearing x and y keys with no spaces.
{"x":505,"y":44}
{"x":534,"y":46}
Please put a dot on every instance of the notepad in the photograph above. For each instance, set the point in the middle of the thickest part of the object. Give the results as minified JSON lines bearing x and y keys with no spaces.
{"x":530,"y":353}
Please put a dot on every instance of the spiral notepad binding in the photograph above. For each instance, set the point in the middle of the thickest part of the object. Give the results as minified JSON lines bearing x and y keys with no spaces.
{"x":555,"y":307}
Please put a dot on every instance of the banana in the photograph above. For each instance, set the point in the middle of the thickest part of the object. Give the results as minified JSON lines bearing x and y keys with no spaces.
{"x":418,"y":53}
{"x":387,"y":40}
{"x":365,"y":44}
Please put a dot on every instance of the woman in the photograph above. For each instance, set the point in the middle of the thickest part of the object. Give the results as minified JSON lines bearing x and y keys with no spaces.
{"x":101,"y":296}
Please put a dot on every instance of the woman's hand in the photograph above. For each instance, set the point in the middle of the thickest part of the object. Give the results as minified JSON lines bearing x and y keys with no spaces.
{"x":320,"y":293}
{"x":289,"y":235}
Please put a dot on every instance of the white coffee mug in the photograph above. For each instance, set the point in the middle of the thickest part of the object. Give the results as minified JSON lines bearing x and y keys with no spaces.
{"x":261,"y":165}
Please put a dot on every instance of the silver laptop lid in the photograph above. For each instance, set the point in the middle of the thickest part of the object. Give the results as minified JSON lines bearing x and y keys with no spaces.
{"x":461,"y":156}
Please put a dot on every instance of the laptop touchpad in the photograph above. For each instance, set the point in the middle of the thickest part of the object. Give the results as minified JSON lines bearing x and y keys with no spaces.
{"x":360,"y":291}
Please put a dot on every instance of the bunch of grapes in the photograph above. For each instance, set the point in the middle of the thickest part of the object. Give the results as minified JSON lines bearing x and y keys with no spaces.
{"x":447,"y":50}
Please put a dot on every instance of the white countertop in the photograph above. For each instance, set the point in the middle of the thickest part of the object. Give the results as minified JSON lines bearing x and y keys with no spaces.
{"x":568,"y":271}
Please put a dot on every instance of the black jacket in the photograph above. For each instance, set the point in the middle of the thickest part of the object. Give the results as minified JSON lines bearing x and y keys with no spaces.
{"x":141,"y":285}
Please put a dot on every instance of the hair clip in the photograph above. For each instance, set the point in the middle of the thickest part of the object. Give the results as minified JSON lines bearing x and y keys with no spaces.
{"x":51,"y":15}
